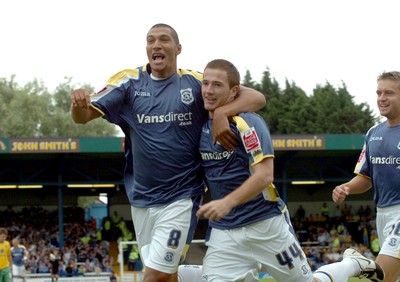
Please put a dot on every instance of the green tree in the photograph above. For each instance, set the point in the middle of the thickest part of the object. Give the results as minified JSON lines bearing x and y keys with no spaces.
{"x":32,"y":111}
{"x":248,"y":80}
{"x":270,"y":88}
{"x":295,"y":111}
{"x":326,"y":111}
{"x":336,"y":112}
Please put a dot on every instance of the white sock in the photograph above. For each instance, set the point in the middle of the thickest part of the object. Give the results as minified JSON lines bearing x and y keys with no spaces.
{"x":190,"y":273}
{"x":338,"y":271}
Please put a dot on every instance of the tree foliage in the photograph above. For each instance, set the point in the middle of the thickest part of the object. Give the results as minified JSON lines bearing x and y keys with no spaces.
{"x":328,"y":110}
{"x":32,"y":111}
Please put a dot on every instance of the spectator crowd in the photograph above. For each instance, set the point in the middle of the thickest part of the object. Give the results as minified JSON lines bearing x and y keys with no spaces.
{"x":324,"y":236}
{"x":83,"y":250}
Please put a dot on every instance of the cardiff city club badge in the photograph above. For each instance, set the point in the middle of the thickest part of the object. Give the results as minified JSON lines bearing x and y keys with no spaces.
{"x":187,"y":96}
{"x":169,"y":256}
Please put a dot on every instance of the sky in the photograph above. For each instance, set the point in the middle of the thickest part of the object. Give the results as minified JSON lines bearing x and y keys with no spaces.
{"x":307,"y":42}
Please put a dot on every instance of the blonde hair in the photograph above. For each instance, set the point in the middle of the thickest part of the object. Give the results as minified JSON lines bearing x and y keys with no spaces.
{"x":391,"y":75}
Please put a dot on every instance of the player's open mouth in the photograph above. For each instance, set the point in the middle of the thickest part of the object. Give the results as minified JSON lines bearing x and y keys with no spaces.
{"x":158,"y":57}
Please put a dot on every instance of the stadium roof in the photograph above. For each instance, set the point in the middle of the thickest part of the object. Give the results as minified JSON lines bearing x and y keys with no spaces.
{"x":62,"y":161}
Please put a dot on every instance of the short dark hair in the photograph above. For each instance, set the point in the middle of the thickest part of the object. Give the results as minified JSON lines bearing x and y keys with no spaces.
{"x":173,"y":31}
{"x":3,"y":231}
{"x":231,"y":71}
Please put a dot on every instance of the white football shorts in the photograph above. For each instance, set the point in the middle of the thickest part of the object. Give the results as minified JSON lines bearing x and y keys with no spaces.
{"x":388,"y":228}
{"x":162,"y":233}
{"x":239,"y":253}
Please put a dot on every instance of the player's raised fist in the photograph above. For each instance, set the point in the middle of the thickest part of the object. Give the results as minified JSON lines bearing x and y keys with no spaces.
{"x":80,"y":98}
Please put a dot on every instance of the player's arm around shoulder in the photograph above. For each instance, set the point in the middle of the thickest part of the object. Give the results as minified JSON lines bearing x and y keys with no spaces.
{"x":248,"y":100}
{"x":251,"y":98}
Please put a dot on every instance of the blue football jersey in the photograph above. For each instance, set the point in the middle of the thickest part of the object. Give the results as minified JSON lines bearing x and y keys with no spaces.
{"x":380,"y":160}
{"x":227,"y":170}
{"x":17,"y":255}
{"x":162,"y":122}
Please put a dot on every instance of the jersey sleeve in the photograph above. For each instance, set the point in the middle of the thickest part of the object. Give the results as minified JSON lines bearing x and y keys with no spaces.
{"x":109,"y":100}
{"x":255,"y":137}
{"x":363,"y":167}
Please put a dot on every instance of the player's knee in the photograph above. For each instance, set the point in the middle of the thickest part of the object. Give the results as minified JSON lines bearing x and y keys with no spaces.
{"x":390,"y":266}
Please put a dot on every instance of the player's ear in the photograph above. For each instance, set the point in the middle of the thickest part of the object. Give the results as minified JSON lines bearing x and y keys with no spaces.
{"x":234,"y":92}
{"x":178,"y":49}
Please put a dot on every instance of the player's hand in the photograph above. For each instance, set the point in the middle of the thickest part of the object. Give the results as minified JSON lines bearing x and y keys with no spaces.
{"x":340,"y":193}
{"x":80,"y":98}
{"x":214,"y":210}
{"x":222,"y":132}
